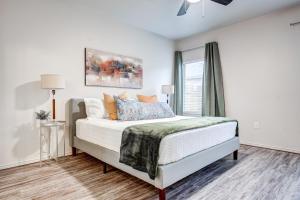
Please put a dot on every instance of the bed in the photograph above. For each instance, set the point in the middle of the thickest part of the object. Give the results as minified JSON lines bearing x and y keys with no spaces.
{"x":180,"y":154}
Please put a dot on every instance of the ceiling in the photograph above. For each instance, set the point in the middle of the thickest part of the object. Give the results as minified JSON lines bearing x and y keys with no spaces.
{"x":159,"y":16}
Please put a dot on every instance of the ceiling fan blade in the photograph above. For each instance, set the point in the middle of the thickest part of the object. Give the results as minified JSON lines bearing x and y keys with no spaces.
{"x":223,"y":2}
{"x":184,"y":7}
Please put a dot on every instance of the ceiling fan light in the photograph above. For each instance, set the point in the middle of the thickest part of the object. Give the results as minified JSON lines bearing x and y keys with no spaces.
{"x":193,"y":1}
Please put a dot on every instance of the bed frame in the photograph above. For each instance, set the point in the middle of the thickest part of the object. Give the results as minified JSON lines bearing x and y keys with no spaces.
{"x":167,"y":174}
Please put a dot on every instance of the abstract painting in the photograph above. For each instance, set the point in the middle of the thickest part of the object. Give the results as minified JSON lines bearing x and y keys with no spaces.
{"x":112,"y":70}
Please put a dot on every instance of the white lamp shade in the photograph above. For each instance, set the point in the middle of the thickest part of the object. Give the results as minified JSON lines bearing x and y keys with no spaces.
{"x":167,"y":89}
{"x":52,"y":81}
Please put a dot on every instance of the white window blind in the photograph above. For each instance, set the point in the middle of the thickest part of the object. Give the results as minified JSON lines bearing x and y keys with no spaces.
{"x":193,"y":75}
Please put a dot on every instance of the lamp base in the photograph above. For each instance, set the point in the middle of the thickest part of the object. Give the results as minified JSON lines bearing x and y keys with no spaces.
{"x":53,"y":105}
{"x":167,"y":99}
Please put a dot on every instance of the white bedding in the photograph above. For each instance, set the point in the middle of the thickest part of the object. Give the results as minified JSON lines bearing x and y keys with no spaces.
{"x":108,"y":133}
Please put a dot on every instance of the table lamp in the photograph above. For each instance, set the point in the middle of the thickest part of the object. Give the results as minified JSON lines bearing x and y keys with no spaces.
{"x":52,"y":82}
{"x":168,"y":90}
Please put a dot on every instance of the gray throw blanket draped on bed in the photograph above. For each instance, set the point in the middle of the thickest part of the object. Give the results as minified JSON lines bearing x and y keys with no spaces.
{"x":140,"y":143}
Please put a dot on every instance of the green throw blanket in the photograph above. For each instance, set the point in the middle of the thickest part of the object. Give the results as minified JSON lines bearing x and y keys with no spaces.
{"x":140,"y":143}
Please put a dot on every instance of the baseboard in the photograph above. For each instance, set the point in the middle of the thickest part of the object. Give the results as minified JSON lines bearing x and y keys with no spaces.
{"x":24,"y":162}
{"x":271,"y":147}
{"x":19,"y":163}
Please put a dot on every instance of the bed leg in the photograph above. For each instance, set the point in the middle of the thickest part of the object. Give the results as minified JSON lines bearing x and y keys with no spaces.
{"x":74,"y":151}
{"x":235,"y":155}
{"x":162,"y":194}
{"x":104,"y":168}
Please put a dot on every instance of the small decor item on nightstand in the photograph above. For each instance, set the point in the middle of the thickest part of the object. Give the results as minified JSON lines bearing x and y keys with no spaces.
{"x":42,"y":115}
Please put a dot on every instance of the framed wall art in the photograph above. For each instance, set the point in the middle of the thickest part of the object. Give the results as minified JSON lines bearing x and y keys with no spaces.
{"x":112,"y":70}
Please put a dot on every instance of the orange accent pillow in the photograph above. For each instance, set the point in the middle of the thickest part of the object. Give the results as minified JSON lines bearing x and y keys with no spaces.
{"x":111,"y":106}
{"x":147,"y":99}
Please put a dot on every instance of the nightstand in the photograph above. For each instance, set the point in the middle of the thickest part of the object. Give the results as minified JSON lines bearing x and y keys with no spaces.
{"x":50,"y":125}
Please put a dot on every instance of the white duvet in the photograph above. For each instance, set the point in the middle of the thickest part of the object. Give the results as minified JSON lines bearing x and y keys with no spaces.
{"x":108,"y":133}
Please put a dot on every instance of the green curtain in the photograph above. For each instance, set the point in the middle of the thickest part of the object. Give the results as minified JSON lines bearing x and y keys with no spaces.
{"x":213,"y":103}
{"x":178,"y":82}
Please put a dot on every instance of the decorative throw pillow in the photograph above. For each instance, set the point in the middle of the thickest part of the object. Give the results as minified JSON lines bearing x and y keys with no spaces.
{"x":147,"y":99}
{"x":110,"y":105}
{"x":131,"y":110}
{"x":94,"y":108}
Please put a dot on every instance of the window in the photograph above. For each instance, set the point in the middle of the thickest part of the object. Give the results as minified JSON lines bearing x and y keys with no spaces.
{"x":192,"y":100}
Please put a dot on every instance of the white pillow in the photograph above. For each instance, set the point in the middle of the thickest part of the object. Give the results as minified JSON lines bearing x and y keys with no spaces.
{"x":94,"y":108}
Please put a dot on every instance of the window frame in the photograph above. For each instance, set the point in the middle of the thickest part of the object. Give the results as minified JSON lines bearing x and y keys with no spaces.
{"x":195,"y":114}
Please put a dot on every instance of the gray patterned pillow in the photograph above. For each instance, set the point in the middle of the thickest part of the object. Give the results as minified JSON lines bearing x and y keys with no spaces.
{"x":131,"y":110}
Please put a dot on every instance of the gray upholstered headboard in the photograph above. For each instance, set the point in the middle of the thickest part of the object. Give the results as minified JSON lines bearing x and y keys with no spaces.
{"x":76,"y":111}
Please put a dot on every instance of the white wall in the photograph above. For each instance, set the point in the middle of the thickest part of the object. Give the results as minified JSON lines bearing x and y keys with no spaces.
{"x":49,"y":36}
{"x":261,"y":68}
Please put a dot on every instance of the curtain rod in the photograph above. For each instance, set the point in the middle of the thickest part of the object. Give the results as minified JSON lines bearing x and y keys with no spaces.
{"x":195,"y":48}
{"x":295,"y":24}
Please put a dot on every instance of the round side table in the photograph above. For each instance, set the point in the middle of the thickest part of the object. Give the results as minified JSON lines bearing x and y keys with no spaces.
{"x":49,"y":125}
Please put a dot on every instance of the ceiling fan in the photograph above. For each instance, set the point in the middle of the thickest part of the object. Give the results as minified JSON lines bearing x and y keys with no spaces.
{"x":186,"y":4}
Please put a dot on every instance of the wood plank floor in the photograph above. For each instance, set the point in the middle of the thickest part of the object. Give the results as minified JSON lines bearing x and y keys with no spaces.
{"x":259,"y":174}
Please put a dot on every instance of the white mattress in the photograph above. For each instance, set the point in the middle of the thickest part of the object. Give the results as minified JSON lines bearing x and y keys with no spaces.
{"x":108,"y":133}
